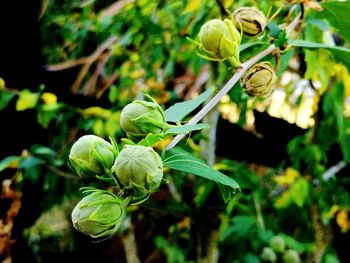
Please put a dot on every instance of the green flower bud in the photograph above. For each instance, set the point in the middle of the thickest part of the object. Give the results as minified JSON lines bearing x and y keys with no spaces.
{"x":268,"y":255}
{"x":92,"y":155}
{"x":277,"y":244}
{"x":291,"y":256}
{"x":259,"y":80}
{"x":220,"y":40}
{"x":98,"y":214}
{"x":251,"y":20}
{"x":140,"y":118}
{"x":139,"y":168}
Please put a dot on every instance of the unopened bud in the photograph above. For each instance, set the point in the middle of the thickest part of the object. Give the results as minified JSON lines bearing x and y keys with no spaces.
{"x":291,"y":256}
{"x":268,"y":255}
{"x":277,"y":244}
{"x":259,"y":80}
{"x":140,"y":118}
{"x":91,"y":155}
{"x":220,"y":40}
{"x":250,"y":19}
{"x":139,"y":168}
{"x":98,"y":214}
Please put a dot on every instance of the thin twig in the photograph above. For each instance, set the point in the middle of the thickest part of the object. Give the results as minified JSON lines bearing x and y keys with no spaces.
{"x":243,"y":68}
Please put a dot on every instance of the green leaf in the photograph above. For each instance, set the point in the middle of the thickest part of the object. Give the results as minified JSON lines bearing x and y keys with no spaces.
{"x":9,"y":162}
{"x":241,"y":226}
{"x":285,"y":58}
{"x":281,"y":39}
{"x":180,"y":110}
{"x":178,"y":159}
{"x":300,"y":191}
{"x":274,"y":29}
{"x":5,"y":98}
{"x":337,"y":14}
{"x":185,"y":129}
{"x":151,"y":139}
{"x":245,"y":46}
{"x":340,"y":54}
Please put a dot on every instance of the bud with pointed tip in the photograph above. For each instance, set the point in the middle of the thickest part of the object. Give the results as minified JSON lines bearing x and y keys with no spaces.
{"x":251,"y":20}
{"x":220,"y":40}
{"x":139,"y":168}
{"x":259,"y":80}
{"x":91,"y":155}
{"x":140,"y":118}
{"x":98,"y":214}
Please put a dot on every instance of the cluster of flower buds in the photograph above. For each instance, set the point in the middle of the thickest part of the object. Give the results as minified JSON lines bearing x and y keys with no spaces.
{"x":259,"y":80}
{"x":276,"y":249}
{"x":220,"y":39}
{"x":136,"y":170}
{"x":140,"y":118}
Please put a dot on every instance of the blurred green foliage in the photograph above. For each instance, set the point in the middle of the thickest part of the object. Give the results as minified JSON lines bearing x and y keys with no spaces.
{"x":123,"y":47}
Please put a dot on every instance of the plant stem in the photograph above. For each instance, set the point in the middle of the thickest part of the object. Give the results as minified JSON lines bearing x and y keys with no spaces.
{"x":130,"y":246}
{"x":232,"y":81}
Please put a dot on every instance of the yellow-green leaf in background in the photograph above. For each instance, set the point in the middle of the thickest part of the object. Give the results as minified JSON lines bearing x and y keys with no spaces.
{"x":26,"y":100}
{"x":112,"y":124}
{"x":96,"y":112}
{"x":191,"y":6}
{"x":49,"y":98}
{"x":2,"y":83}
{"x":98,"y":127}
{"x":284,"y":200}
{"x":288,"y":178}
{"x":300,"y":191}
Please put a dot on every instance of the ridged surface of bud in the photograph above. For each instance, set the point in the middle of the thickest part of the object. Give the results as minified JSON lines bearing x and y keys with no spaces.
{"x":259,"y":80}
{"x":220,"y":40}
{"x":139,"y":168}
{"x":251,"y":20}
{"x":91,"y":155}
{"x":98,"y":214}
{"x":140,"y":118}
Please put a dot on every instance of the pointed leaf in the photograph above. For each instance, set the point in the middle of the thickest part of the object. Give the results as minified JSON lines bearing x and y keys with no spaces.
{"x":151,"y":139}
{"x":185,"y":129}
{"x":337,"y":14}
{"x":180,"y":110}
{"x":180,"y":160}
{"x":340,"y":54}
